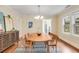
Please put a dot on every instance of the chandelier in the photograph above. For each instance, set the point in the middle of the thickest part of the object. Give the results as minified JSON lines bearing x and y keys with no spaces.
{"x":39,"y":16}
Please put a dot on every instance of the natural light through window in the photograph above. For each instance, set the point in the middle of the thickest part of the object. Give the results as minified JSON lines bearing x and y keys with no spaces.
{"x":71,"y":24}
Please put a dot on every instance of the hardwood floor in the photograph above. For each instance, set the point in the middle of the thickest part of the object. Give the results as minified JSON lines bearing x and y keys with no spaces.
{"x":66,"y":48}
{"x":62,"y":46}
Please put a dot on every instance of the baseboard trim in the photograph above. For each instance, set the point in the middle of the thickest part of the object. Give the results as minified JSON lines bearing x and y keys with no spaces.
{"x":69,"y":45}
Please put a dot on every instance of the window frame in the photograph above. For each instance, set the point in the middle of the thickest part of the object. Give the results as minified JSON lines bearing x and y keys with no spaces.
{"x":74,"y":16}
{"x":63,"y":21}
{"x":72,"y":22}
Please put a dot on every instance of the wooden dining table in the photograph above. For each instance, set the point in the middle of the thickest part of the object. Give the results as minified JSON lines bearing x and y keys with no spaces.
{"x":39,"y":38}
{"x":44,"y":38}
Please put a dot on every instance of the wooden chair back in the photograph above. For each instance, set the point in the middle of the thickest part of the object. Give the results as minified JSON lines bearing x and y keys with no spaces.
{"x":54,"y":38}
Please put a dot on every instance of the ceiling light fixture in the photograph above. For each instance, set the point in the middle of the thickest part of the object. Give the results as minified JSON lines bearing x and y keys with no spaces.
{"x":39,"y":16}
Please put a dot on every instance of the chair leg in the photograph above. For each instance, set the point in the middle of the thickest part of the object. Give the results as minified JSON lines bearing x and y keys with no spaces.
{"x":45,"y":44}
{"x":48,"y":49}
{"x":17,"y":43}
{"x":56,"y":49}
{"x":33,"y":44}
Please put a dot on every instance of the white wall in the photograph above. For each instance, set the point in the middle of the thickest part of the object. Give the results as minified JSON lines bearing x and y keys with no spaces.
{"x":73,"y":40}
{"x":37,"y":25}
{"x":21,"y":21}
{"x":54,"y":24}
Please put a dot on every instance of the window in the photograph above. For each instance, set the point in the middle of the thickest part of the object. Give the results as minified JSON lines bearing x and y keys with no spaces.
{"x":71,"y":24}
{"x":76,"y":23}
{"x":66,"y":24}
{"x":76,"y":26}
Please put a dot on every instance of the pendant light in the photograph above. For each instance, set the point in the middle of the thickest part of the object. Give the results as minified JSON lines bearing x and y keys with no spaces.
{"x":39,"y":16}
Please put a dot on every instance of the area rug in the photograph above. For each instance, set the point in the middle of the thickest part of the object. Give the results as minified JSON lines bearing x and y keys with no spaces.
{"x":36,"y":50}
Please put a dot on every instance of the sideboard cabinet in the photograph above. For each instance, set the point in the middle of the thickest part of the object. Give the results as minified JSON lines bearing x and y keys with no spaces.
{"x":7,"y":39}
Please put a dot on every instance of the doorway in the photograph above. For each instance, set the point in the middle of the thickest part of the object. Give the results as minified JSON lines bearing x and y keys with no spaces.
{"x":46,"y":26}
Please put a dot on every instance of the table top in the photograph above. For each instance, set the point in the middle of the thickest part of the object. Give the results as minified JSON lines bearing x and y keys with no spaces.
{"x":42,"y":37}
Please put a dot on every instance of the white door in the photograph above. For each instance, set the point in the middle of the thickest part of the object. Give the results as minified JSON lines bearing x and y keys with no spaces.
{"x":46,"y":26}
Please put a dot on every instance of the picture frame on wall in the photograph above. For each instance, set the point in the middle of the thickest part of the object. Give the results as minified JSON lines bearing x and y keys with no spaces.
{"x":30,"y":24}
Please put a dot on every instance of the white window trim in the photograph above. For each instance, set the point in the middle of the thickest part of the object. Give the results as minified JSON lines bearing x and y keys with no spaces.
{"x":63,"y":26}
{"x":71,"y":26}
{"x":75,"y":15}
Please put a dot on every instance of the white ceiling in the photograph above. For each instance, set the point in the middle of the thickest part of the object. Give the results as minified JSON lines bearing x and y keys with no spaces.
{"x":33,"y":10}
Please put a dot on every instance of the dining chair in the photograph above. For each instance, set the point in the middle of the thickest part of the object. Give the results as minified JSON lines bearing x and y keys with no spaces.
{"x":28,"y":43}
{"x":53,"y":42}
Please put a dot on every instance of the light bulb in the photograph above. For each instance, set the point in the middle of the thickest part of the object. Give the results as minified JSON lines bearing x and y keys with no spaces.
{"x":38,"y":17}
{"x":41,"y":17}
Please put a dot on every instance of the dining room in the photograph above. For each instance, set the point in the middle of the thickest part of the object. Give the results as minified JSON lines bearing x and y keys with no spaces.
{"x":39,"y":28}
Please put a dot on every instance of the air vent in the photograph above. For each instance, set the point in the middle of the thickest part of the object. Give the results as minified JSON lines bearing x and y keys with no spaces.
{"x":68,"y":6}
